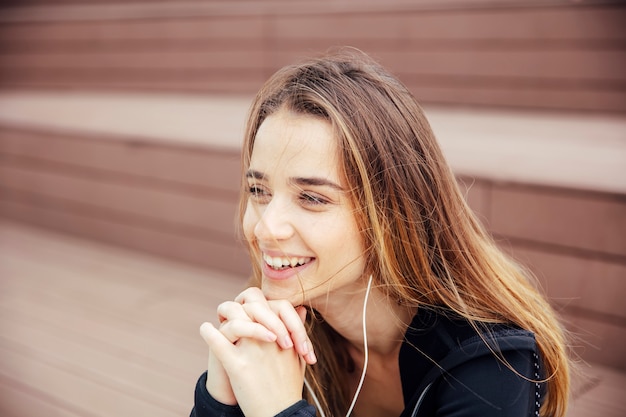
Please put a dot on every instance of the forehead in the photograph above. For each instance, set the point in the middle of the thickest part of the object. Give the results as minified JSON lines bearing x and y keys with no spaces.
{"x":302,"y":144}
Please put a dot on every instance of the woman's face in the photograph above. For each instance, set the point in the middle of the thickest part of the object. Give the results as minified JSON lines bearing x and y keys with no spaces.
{"x":298,"y":219}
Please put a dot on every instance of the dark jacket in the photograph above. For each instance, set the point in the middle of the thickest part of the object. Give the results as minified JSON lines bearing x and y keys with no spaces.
{"x":447,"y":368}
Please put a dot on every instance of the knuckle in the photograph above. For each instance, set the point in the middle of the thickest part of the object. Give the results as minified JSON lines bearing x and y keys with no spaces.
{"x":250,"y":294}
{"x":228,"y":309}
{"x":225,"y":306}
{"x":283,"y":305}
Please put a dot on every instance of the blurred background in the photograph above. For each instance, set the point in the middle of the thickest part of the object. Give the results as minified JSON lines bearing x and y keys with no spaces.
{"x":120,"y":133}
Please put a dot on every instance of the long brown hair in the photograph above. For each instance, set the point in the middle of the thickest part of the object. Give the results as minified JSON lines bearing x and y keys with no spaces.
{"x":424,"y":246}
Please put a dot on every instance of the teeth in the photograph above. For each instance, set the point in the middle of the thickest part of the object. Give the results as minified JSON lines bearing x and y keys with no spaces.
{"x":284,"y":262}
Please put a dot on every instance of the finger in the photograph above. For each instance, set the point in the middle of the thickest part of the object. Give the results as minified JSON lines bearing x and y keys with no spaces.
{"x":286,"y":322}
{"x":301,"y":310}
{"x":230,"y":310}
{"x":249,"y":295}
{"x":237,"y":329}
{"x":220,"y":346}
{"x":293,"y":319}
{"x":258,"y":309}
{"x":262,"y":313}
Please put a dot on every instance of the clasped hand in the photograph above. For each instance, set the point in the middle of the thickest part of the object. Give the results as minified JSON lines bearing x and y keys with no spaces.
{"x":258,"y":355}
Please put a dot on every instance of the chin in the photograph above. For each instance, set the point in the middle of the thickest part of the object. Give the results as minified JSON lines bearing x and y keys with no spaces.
{"x":273,"y":292}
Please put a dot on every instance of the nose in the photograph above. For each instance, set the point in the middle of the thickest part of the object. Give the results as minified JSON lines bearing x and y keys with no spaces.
{"x":274,"y":221}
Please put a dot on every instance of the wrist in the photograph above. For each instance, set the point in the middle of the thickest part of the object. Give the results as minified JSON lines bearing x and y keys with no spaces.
{"x":220,"y":393}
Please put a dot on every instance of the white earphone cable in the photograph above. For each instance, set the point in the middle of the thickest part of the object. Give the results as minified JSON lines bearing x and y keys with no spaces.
{"x":315,"y":400}
{"x":365,"y":349}
{"x":365,"y":361}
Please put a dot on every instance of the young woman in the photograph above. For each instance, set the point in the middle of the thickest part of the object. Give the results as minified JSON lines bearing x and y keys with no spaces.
{"x":375,"y":290}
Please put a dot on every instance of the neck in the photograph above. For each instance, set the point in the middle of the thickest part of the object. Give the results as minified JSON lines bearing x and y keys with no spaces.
{"x":386,"y":321}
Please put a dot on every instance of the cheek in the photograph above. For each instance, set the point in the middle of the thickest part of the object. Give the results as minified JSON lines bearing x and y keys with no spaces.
{"x":249,"y":222}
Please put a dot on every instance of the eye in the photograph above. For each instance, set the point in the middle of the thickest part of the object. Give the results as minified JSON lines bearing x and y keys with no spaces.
{"x":312,"y":199}
{"x":258,"y":193}
{"x":254,"y":190}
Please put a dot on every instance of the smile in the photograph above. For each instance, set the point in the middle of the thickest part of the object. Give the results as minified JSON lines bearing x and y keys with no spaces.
{"x":280,"y":263}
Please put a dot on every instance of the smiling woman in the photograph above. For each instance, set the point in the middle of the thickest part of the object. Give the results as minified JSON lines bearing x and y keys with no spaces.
{"x":356,"y":227}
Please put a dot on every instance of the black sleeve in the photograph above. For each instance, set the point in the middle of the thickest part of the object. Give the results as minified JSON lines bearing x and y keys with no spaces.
{"x":485,"y":387}
{"x":206,"y":406}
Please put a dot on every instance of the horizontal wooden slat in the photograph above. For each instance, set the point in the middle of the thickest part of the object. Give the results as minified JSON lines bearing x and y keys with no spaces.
{"x":82,"y":394}
{"x":188,"y":247}
{"x":169,"y":81}
{"x":583,"y":66}
{"x":206,"y":60}
{"x":600,"y":66}
{"x":201,"y":211}
{"x":598,"y":342}
{"x":474,"y":92}
{"x":19,"y":400}
{"x":590,"y":286}
{"x":137,"y":9}
{"x":477,"y":195}
{"x":594,"y":224}
{"x":496,"y":26}
{"x":175,"y":164}
{"x":246,"y":28}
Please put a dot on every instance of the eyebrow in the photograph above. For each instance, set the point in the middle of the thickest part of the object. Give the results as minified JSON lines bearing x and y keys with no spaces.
{"x":310,"y":181}
{"x":255,"y":174}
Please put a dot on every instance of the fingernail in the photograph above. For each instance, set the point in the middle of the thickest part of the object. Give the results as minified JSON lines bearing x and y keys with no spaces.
{"x":287,"y":343}
{"x":312,"y":357}
{"x":305,"y":348}
{"x":270,"y":337}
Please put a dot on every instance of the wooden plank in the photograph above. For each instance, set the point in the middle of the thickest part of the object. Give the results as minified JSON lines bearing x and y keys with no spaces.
{"x":492,"y":26}
{"x":111,"y":265}
{"x":587,"y":284}
{"x":598,"y":342}
{"x":19,"y":399}
{"x":82,"y":393}
{"x":175,"y":163}
{"x":477,"y":194}
{"x":190,"y":246}
{"x":513,"y":93}
{"x":604,"y":395}
{"x":210,"y":212}
{"x":165,"y":81}
{"x":107,"y":266}
{"x":124,"y":374}
{"x":223,"y":28}
{"x":594,"y":223}
{"x":155,"y":60}
{"x":586,"y":66}
{"x":600,"y":66}
{"x":124,"y":217}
